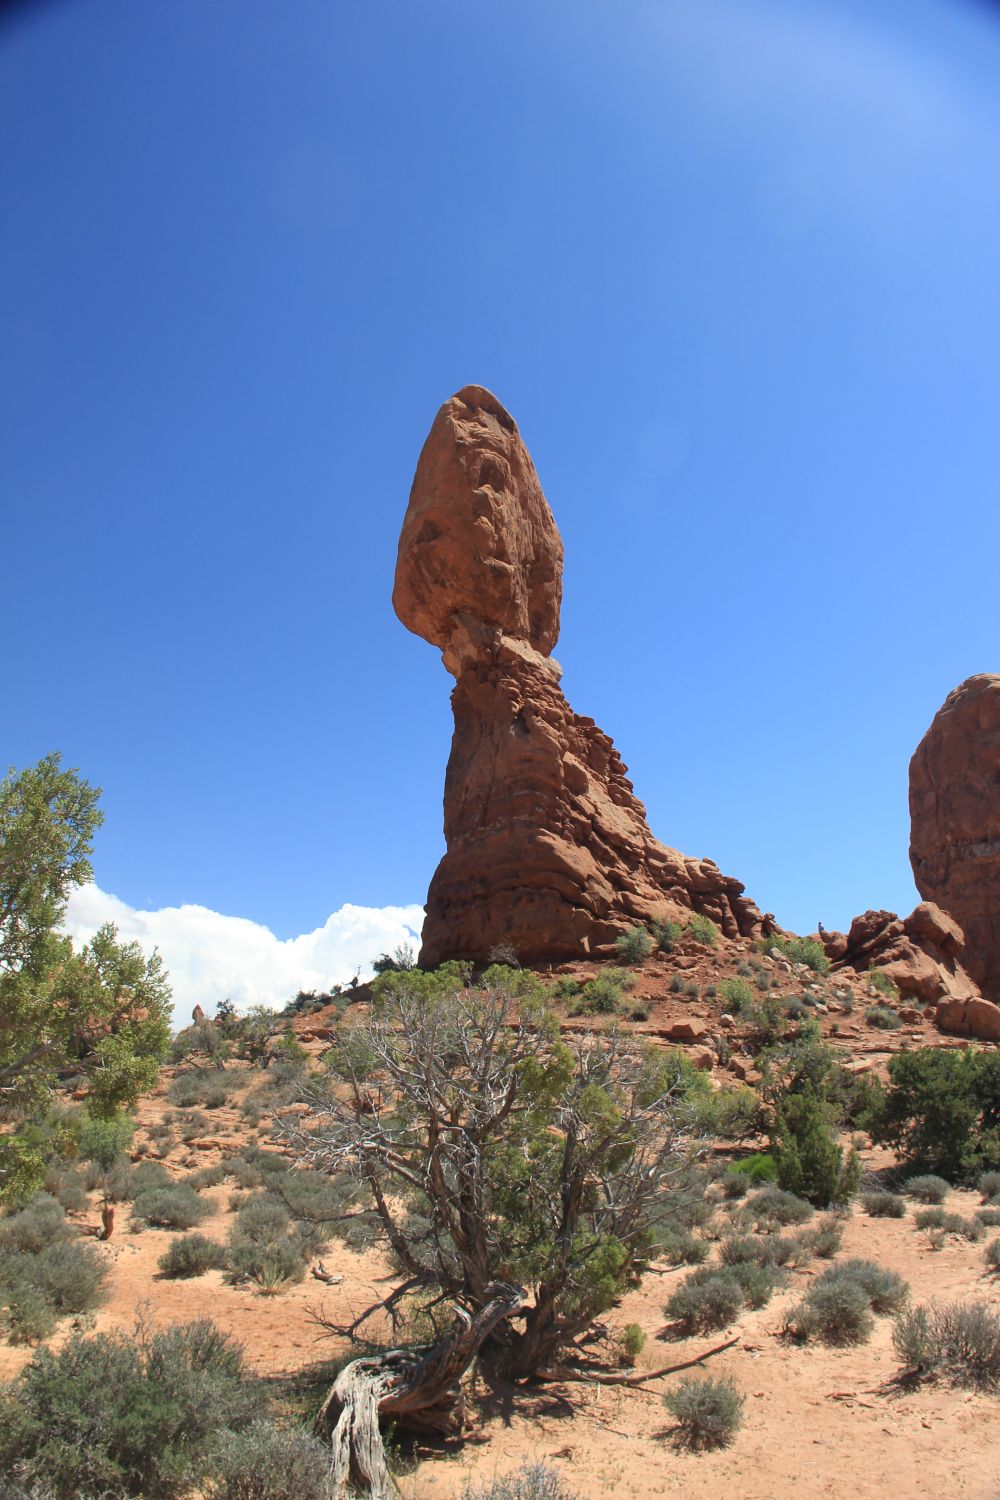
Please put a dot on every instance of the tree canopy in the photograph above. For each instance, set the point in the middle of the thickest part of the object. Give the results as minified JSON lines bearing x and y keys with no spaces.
{"x":100,"y":1013}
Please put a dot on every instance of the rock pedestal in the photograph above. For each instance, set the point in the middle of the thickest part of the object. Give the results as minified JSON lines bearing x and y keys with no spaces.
{"x":547,"y":846}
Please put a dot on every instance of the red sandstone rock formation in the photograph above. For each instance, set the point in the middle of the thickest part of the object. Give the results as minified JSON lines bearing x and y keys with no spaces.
{"x":955,"y":820}
{"x":547,"y":847}
{"x":919,"y":953}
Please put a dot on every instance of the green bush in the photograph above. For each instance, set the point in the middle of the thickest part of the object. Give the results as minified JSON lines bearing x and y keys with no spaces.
{"x":64,"y":1183}
{"x":883,"y":1205}
{"x":679,"y":1247}
{"x":736,"y":995}
{"x":599,"y":997}
{"x":756,"y":1282}
{"x":886,"y":1290}
{"x":531,"y":1481}
{"x":264,"y":1462}
{"x":939,"y":1112}
{"x":104,"y":1141}
{"x":126,"y":1416}
{"x":960,"y":1341}
{"x":667,"y":935}
{"x":261,"y":1249}
{"x":634,"y":945}
{"x":809,"y":1159}
{"x":708,"y":1412}
{"x":633,"y":1341}
{"x":175,"y":1206}
{"x":757,"y":1168}
{"x":926,"y":1189}
{"x":206,"y":1177}
{"x":702,"y":1304}
{"x":879,"y":983}
{"x":929,"y":1218}
{"x":735,"y":1185}
{"x":755,"y":1249}
{"x":703,"y":930}
{"x":191,"y":1255}
{"x":882,"y":1018}
{"x":38,"y":1224}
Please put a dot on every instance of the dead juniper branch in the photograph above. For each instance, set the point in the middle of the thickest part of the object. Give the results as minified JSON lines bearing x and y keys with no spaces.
{"x":419,"y":1388}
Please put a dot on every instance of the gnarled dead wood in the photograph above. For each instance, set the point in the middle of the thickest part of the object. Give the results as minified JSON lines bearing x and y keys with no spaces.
{"x":419,"y":1388}
{"x":588,"y":1375}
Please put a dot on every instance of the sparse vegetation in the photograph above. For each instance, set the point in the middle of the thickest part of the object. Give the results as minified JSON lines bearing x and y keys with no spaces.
{"x":883,"y":1205}
{"x":957,"y":1341}
{"x":926,"y":1189}
{"x":702,"y":930}
{"x":530,"y":1481}
{"x":705,"y":1301}
{"x":708,"y":1412}
{"x":667,"y":935}
{"x":191,"y":1255}
{"x":800,"y":950}
{"x":264,"y":1462}
{"x":634,"y":945}
{"x":173,"y":1205}
{"x":939,"y":1112}
{"x":839,"y":1305}
{"x":736,"y":996}
{"x":882,"y":1018}
{"x":879,"y":983}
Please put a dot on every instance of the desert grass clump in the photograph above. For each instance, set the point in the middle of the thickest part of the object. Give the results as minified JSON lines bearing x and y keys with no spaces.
{"x":736,"y":996}
{"x":634,"y":945}
{"x":679,"y":1247}
{"x":883,"y":1205}
{"x":882,"y":1018}
{"x":530,"y":1481}
{"x":927,"y":1188}
{"x":879,"y":983}
{"x":667,"y":935}
{"x":599,"y":997}
{"x":826,"y":1238}
{"x":989,"y":1217}
{"x":264,"y":1462}
{"x":708,"y":1412}
{"x":191,"y":1255}
{"x":957,"y":1341}
{"x":838,"y":1314}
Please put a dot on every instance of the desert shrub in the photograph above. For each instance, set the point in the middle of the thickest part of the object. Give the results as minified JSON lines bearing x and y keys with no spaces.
{"x":676,"y":985}
{"x":736,"y":995}
{"x":104,"y":1141}
{"x":881,"y":1205}
{"x":879,"y":983}
{"x":191,"y":1255}
{"x":565,"y":989}
{"x":966,"y":1229}
{"x":173,"y":1206}
{"x":38,"y":1224}
{"x":926,"y":1189}
{"x":205,"y":1177}
{"x":733,"y":1115}
{"x":666,"y":935}
{"x":114,"y":1184}
{"x":634,"y":945}
{"x":703,"y":930}
{"x":193,"y":1124}
{"x":66,"y":1185}
{"x":639,"y":1010}
{"x":825,"y":1240}
{"x":756,"y":1282}
{"x":929,"y":1218}
{"x":703,"y":1303}
{"x":126,"y":1416}
{"x":147,"y":1174}
{"x":838,"y":1313}
{"x":530,"y":1481}
{"x":960,"y":1341}
{"x":261,"y":1249}
{"x":988,"y":1184}
{"x":735,"y":1185}
{"x":633,"y":1341}
{"x":206,"y":1090}
{"x":708,"y":1412}
{"x":940,"y":1112}
{"x":800,"y":950}
{"x":679,"y":1247}
{"x":809,"y":1159}
{"x":988,"y":1217}
{"x":882,"y":1018}
{"x":886,"y":1290}
{"x":795,"y":1010}
{"x":991,"y":1255}
{"x":599,"y":997}
{"x":264,"y":1462}
{"x":773,"y":1206}
{"x":756,"y":1249}
{"x":757,"y":1168}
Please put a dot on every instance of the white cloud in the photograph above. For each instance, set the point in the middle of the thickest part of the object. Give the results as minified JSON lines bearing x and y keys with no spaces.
{"x":210,"y":955}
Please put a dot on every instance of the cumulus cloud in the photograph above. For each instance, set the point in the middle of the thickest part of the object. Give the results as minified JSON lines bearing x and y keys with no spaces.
{"x":210,"y":955}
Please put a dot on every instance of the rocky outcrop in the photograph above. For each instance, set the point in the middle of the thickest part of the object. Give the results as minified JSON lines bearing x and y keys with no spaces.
{"x":919,"y":953}
{"x":955,"y":821}
{"x":979,"y":1019}
{"x":547,"y":845}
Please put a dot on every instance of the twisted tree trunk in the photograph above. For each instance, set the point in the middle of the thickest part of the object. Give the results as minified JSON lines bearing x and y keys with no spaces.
{"x":421,"y":1389}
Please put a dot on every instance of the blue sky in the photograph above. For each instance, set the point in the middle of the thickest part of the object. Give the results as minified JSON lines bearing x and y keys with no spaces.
{"x":731,"y":267}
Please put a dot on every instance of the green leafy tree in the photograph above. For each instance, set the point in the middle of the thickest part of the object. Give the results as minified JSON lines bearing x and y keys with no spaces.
{"x":941,"y":1111}
{"x":809,"y":1159}
{"x":100,"y":1013}
{"x":487,"y":1150}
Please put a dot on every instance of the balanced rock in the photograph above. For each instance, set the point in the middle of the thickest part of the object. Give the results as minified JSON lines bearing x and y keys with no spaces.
{"x":955,"y":821}
{"x":548,"y":849}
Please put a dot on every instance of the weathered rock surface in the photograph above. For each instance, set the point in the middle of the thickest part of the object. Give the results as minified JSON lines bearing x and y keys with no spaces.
{"x":955,"y":820}
{"x":974,"y":1018}
{"x":547,"y":846}
{"x":919,"y":953}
